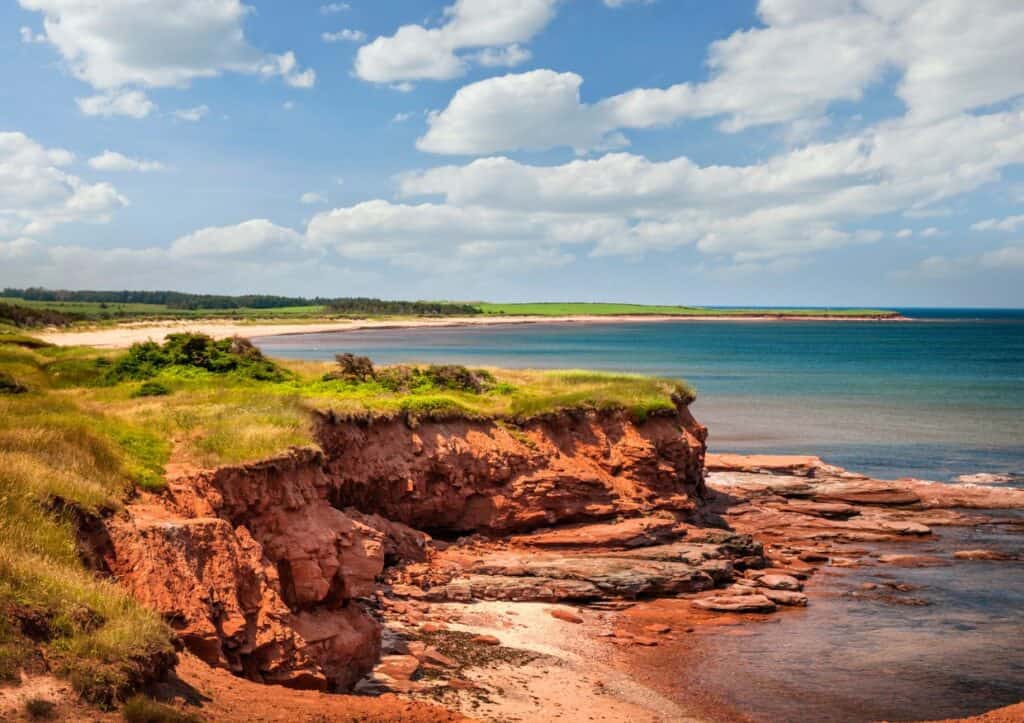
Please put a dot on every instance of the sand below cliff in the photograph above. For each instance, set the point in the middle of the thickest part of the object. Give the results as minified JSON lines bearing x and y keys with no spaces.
{"x":124,"y":335}
{"x":575,"y":679}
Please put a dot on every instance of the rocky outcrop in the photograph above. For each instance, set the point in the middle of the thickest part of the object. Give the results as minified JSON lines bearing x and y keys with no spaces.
{"x":257,"y":571}
{"x":462,"y":476}
{"x":266,"y":569}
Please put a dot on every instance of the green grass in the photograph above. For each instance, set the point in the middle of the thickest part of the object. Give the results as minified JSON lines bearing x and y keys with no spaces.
{"x":58,"y":462}
{"x":96,"y":311}
{"x":598,"y":309}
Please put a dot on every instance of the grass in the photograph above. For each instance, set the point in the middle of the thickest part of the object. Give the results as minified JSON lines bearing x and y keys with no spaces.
{"x":59,"y":462}
{"x":598,"y":309}
{"x":87,"y":427}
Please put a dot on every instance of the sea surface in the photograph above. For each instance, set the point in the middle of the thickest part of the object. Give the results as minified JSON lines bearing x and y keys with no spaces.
{"x":932,"y":398}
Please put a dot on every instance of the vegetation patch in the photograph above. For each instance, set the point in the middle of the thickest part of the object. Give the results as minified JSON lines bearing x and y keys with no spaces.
{"x":24,"y":316}
{"x":141,"y":709}
{"x":195,"y":351}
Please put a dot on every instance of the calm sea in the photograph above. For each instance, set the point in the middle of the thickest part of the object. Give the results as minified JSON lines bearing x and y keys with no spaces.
{"x":932,"y":398}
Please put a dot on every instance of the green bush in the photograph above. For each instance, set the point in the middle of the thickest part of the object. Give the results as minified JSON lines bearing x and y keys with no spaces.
{"x":352,"y":368}
{"x":152,"y":389}
{"x":197,"y":351}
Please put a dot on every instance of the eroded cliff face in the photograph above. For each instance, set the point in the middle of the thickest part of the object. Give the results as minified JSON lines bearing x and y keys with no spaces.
{"x":266,"y":569}
{"x":466,"y":476}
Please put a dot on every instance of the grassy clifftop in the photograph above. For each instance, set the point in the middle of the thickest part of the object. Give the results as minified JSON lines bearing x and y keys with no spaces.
{"x":81,"y":429}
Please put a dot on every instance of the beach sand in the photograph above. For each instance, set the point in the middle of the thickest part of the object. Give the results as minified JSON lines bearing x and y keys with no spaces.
{"x":124,"y":335}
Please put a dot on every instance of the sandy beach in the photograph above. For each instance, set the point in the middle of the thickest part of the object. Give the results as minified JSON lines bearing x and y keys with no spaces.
{"x":124,"y":335}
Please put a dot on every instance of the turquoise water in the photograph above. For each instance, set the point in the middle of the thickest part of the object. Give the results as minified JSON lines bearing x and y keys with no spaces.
{"x":933,"y":398}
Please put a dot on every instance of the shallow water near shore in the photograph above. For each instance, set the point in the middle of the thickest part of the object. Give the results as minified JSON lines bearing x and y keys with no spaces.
{"x":949,"y":647}
{"x":933,"y":398}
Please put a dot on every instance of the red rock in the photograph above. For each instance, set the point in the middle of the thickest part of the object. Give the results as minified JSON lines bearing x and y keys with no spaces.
{"x":786,"y":597}
{"x":913,"y":560}
{"x":565,"y":615}
{"x":436,"y":657}
{"x":645,"y":641}
{"x":736,"y":604}
{"x":485,"y":640}
{"x":779,"y":582}
{"x":982,"y":555}
{"x":459,"y":684}
{"x":432,"y":628}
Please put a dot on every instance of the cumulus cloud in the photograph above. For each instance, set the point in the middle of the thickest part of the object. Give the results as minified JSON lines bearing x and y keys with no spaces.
{"x":118,"y":162}
{"x":157,"y":43}
{"x":493,"y":28}
{"x":1008,"y":224}
{"x":950,"y":55}
{"x":311,"y":198}
{"x":797,"y":202}
{"x":37,"y":193}
{"x":255,"y":237}
{"x":131,"y":103}
{"x":347,"y":34}
{"x":1007,"y":258}
{"x":192,"y":115}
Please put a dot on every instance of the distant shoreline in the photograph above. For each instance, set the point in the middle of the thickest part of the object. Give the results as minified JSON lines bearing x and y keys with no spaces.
{"x":124,"y":335}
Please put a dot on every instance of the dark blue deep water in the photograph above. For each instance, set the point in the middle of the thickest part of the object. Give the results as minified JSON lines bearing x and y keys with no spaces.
{"x":932,"y":398}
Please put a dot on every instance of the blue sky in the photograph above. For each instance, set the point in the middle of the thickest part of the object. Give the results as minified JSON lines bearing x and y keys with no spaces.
{"x":805,"y":152}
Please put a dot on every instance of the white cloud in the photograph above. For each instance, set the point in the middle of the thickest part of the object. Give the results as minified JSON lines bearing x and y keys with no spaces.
{"x":1006,"y":258}
{"x":930,"y":232}
{"x":192,"y":115}
{"x":797,"y":202}
{"x":257,"y":236}
{"x":311,"y":198}
{"x":416,"y":52}
{"x":1009,"y":224}
{"x":401,"y":117}
{"x":288,"y":105}
{"x":114,"y":161}
{"x":347,"y":34}
{"x":950,"y":56}
{"x":36,"y":193}
{"x":904,"y":233}
{"x":157,"y":43}
{"x":333,"y":8}
{"x":18,"y":248}
{"x":131,"y":103}
{"x":29,"y":37}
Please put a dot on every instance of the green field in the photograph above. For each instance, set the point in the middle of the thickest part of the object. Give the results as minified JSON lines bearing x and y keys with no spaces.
{"x":93,"y":312}
{"x":598,"y":309}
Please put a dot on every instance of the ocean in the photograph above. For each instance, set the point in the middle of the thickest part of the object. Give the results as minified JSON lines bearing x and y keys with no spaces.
{"x":934,"y":398}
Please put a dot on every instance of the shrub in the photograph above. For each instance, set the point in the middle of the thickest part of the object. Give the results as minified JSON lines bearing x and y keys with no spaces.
{"x":141,"y":709}
{"x":458,"y":378}
{"x":352,"y":368}
{"x":40,"y":709}
{"x":10,"y":385}
{"x":25,"y":316}
{"x":152,"y":389}
{"x":198,"y":351}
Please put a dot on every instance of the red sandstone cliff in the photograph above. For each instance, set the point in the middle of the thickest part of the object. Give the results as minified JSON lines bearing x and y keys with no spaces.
{"x":261,"y":568}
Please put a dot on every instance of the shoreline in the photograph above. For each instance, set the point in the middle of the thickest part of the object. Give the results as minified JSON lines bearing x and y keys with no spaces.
{"x":124,"y":335}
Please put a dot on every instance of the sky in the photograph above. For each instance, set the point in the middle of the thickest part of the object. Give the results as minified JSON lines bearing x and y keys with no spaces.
{"x":742,"y":152}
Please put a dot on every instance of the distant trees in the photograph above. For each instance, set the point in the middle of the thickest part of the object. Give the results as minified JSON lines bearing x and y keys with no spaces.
{"x":25,"y":316}
{"x":180,"y":300}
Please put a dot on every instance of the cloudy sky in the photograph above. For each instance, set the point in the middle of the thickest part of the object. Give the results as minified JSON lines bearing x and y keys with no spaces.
{"x":815,"y":152}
